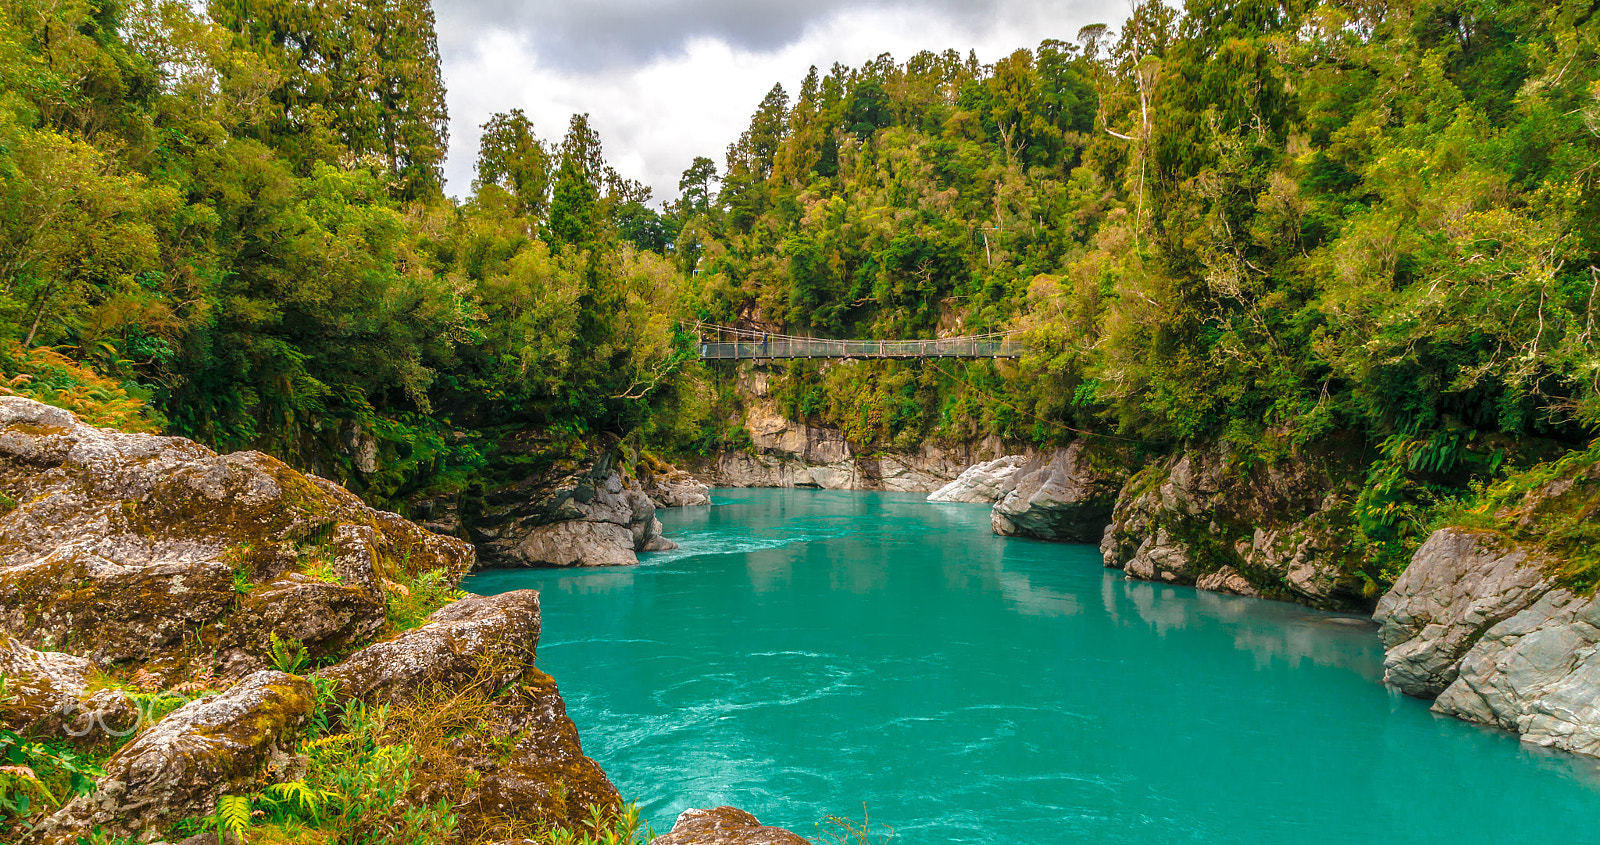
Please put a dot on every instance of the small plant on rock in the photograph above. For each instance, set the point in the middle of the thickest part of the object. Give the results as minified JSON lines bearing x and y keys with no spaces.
{"x":232,"y":816}
{"x":408,"y":602}
{"x":288,"y":654}
{"x":33,"y":774}
{"x":843,"y":830}
{"x":605,"y":826}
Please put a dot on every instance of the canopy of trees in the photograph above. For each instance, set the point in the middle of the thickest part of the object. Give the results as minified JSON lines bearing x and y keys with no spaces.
{"x":1270,"y":223}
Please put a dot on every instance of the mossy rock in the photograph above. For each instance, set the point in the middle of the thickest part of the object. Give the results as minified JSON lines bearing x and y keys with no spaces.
{"x":179,"y":767}
{"x":137,"y":549}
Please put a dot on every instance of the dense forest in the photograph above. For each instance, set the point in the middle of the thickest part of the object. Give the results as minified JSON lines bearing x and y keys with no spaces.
{"x":1270,"y":223}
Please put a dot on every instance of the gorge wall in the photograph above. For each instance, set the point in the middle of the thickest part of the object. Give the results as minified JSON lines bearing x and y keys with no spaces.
{"x":790,"y":453}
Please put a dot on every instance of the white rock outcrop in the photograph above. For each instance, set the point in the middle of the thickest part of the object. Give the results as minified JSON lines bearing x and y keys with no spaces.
{"x":987,"y":482}
{"x":1066,"y":494}
{"x":1475,"y":623}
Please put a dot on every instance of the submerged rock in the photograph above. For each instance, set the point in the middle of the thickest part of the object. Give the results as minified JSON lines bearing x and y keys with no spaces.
{"x":725,"y":826}
{"x":1476,"y":622}
{"x":1066,"y":495}
{"x":128,"y":546}
{"x":179,"y":767}
{"x":986,"y":482}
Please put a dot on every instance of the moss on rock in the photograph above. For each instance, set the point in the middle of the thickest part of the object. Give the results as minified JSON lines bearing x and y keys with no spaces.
{"x":125,"y":547}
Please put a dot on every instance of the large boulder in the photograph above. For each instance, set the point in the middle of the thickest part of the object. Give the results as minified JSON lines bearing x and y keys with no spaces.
{"x":454,"y":646}
{"x":1477,"y":622}
{"x":1206,"y":518}
{"x":725,"y":826}
{"x":986,"y":482}
{"x":47,"y":695}
{"x":517,"y":756}
{"x":590,"y":517}
{"x":670,"y":487}
{"x":131,"y":547}
{"x":1066,"y":494}
{"x":180,"y":767}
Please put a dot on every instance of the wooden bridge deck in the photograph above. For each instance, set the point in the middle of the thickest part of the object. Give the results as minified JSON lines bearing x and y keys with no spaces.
{"x":991,"y":346}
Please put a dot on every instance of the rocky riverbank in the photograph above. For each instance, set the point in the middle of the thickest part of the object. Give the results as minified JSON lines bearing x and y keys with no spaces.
{"x":1480,"y":621}
{"x":598,"y":511}
{"x":198,"y":642}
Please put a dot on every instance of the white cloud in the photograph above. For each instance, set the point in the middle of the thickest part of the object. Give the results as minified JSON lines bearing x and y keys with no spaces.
{"x":657,"y":113}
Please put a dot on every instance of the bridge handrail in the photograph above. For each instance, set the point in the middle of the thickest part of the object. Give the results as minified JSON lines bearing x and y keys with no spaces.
{"x":785,"y":347}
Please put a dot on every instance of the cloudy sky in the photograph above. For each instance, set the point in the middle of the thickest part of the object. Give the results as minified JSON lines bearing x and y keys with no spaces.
{"x":666,"y":80}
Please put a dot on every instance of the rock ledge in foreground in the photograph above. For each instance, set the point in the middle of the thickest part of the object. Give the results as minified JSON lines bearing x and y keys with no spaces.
{"x":125,"y":545}
{"x":179,"y":767}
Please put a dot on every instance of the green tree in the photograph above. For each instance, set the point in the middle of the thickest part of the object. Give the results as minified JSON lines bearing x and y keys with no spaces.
{"x":575,"y":199}
{"x":512,"y":158}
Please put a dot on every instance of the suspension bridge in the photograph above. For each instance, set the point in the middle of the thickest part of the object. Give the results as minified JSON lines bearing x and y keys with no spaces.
{"x":727,"y":343}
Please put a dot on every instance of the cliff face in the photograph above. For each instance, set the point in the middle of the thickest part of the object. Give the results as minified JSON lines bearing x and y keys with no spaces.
{"x":788,"y":453}
{"x":1478,"y":625}
{"x":136,"y":569}
{"x":1196,"y":518}
{"x":1276,"y":531}
{"x":1498,"y":623}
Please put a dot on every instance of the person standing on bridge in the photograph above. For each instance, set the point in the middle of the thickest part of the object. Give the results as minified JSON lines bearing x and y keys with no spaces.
{"x":763,"y":342}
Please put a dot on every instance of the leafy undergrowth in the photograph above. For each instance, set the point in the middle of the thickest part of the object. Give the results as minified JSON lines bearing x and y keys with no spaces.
{"x":1553,"y":507}
{"x":37,"y":778}
{"x":47,"y":376}
{"x":380,"y":774}
{"x":410,"y":599}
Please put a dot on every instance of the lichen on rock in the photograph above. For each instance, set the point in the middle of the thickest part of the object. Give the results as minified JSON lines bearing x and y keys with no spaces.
{"x":452,"y":647}
{"x":135,"y":548}
{"x":47,"y":694}
{"x":523,"y":753}
{"x":180,"y":766}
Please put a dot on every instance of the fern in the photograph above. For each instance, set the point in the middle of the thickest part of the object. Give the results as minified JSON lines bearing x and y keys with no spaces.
{"x":288,"y":654}
{"x":299,"y":793}
{"x":233,"y":815}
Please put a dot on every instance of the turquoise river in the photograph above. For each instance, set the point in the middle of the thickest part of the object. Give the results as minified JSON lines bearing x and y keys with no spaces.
{"x":808,"y":653}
